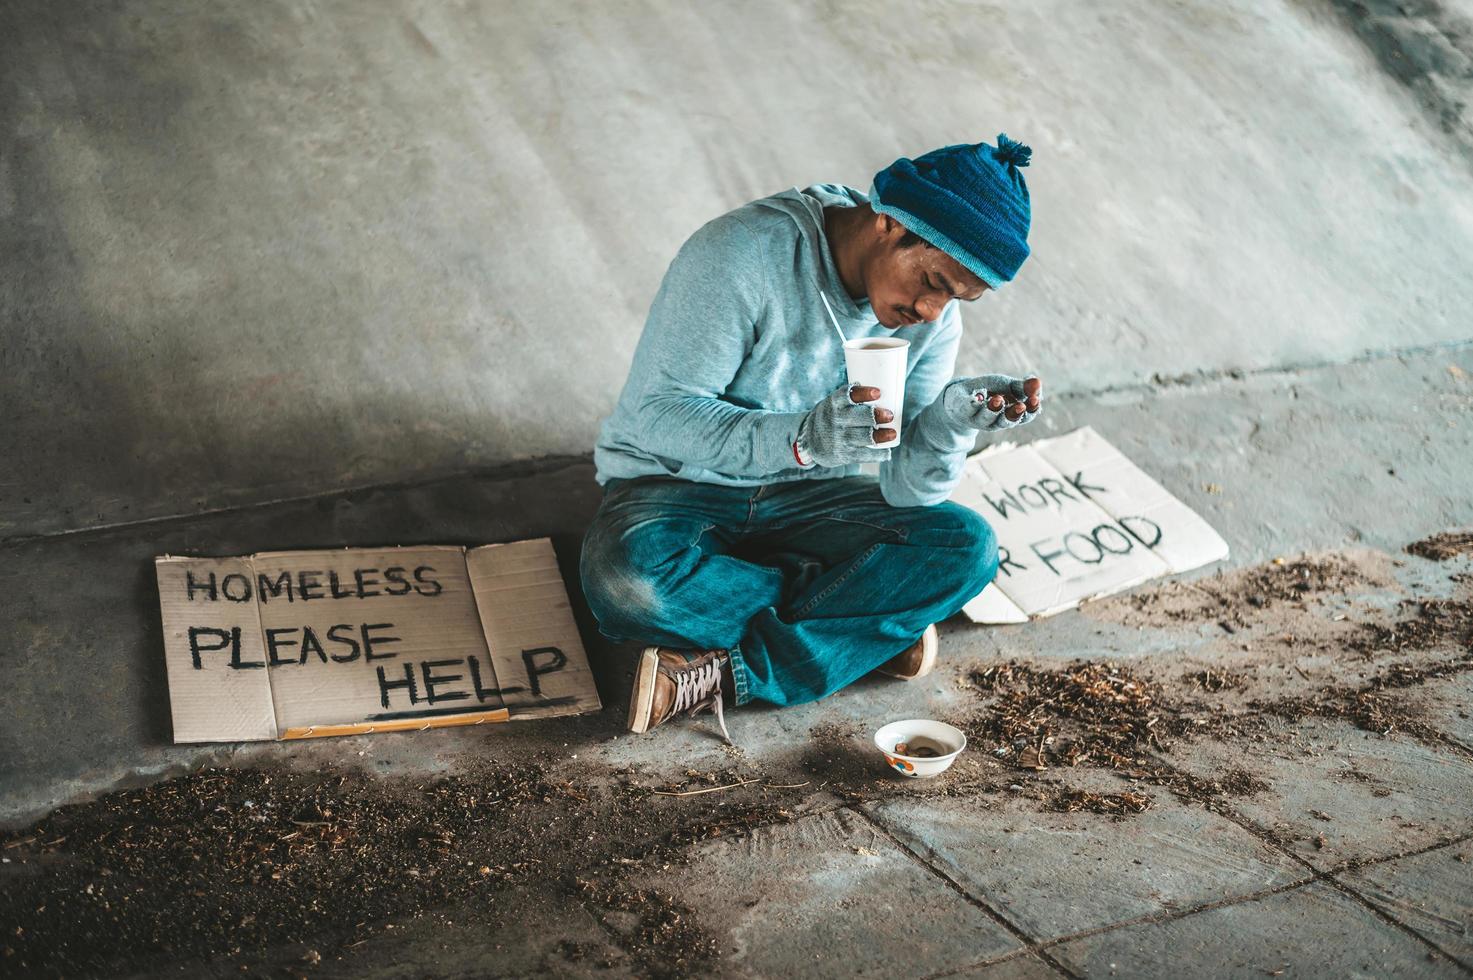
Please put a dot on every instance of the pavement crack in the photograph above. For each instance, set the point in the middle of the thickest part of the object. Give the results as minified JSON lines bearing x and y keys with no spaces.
{"x":1328,"y":877}
{"x":508,"y":471}
{"x":1016,"y":954}
{"x":1029,"y":942}
{"x":1208,"y":377}
{"x":1170,"y":915}
{"x":1412,"y":852}
{"x":1387,"y":917}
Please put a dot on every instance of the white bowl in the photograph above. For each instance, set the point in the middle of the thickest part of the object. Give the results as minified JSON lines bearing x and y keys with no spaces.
{"x":945,"y":740}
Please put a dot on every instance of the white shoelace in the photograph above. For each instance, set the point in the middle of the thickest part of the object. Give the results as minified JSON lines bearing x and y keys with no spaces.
{"x":699,"y":688}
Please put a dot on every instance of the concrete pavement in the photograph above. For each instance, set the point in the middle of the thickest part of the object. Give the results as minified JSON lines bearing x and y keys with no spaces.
{"x":1279,"y":462}
{"x":311,"y":275}
{"x":1312,"y":873}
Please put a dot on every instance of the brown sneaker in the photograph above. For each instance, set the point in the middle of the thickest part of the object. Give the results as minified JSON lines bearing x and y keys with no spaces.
{"x":671,"y":681}
{"x":915,"y":660}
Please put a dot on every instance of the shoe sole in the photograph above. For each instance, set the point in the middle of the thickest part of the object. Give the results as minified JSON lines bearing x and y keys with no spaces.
{"x":930,"y":648}
{"x":642,"y":698}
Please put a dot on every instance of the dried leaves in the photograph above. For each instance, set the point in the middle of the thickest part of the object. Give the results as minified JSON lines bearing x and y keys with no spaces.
{"x":229,"y":862}
{"x":1441,"y":547}
{"x":1089,"y":712}
{"x":1214,"y":681}
{"x":1100,"y":715}
{"x":1237,"y":600}
{"x":223,"y":859}
{"x":1377,"y":706}
{"x":1112,"y":804}
{"x":1432,"y":623}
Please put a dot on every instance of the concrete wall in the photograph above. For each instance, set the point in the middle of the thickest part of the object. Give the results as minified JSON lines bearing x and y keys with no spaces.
{"x":256,"y":250}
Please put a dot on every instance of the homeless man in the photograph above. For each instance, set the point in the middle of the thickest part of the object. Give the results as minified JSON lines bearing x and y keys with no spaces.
{"x":736,"y":534}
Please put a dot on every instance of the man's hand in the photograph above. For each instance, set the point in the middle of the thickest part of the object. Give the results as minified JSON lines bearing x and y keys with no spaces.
{"x":992,"y":401}
{"x":840,"y":429}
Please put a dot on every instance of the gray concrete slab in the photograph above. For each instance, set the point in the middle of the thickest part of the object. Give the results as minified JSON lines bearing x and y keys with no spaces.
{"x":256,"y":251}
{"x":1408,"y":795}
{"x":1314,"y":931}
{"x":1058,"y":874}
{"x":829,"y":896}
{"x":1432,"y":892}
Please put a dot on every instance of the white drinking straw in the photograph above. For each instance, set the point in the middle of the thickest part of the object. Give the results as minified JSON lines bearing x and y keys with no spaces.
{"x":826,"y":306}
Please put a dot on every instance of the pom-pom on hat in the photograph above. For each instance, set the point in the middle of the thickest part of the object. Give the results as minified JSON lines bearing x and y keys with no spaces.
{"x":970,"y":201}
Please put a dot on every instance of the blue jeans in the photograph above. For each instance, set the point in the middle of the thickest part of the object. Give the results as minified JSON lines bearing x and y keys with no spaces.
{"x":810,"y":584}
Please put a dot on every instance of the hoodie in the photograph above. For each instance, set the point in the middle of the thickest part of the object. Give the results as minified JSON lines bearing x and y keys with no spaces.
{"x":738,"y":348}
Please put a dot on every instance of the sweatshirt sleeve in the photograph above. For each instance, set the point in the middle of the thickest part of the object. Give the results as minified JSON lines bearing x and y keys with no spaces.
{"x":700,"y":329}
{"x":926,"y":466}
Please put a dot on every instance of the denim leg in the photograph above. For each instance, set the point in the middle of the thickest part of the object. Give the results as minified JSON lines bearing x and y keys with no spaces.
{"x":656,"y":566}
{"x":891,"y":573}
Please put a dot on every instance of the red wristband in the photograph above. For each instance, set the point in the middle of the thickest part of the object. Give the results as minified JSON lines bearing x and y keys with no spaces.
{"x":799,"y":456}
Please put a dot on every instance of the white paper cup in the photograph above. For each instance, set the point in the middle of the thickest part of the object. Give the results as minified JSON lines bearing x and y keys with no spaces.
{"x":879,"y":362}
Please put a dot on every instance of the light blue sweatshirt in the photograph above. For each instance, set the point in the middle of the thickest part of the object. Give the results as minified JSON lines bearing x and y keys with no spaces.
{"x":738,"y":348}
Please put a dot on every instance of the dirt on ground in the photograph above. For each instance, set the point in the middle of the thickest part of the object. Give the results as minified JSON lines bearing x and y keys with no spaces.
{"x":223,"y":863}
{"x":1380,"y":705}
{"x":1112,"y":804}
{"x":1288,"y":630}
{"x":1441,"y":547}
{"x":1426,"y":624}
{"x":1247,"y":597}
{"x":226,"y":862}
{"x":1103,"y":716}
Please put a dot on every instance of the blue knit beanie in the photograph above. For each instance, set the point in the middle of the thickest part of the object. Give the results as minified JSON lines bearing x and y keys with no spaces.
{"x":969,"y":201}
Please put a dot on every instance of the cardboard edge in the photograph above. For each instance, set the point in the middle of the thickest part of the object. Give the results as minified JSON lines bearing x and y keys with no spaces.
{"x":1113,"y":590}
{"x":261,"y":626}
{"x":174,"y":736}
{"x":536,"y":712}
{"x":358,"y":549}
{"x":993,"y":448}
{"x":409,"y":724}
{"x":502,"y":544}
{"x":590,"y":704}
{"x":1217,"y":555}
{"x":992,"y":607}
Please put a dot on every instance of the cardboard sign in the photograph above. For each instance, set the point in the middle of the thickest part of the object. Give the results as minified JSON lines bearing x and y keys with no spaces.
{"x":1075,"y":520}
{"x":298,"y":644}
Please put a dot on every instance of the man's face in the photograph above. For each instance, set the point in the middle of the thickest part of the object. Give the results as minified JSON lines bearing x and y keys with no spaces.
{"x":913,"y":284}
